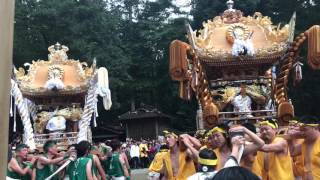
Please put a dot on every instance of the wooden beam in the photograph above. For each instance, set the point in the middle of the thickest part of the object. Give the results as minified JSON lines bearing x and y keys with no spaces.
{"x":127,"y":130}
{"x":6,"y":45}
{"x":157,"y":129}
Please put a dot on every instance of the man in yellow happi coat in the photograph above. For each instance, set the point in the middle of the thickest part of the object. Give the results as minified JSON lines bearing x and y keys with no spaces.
{"x":294,"y":136}
{"x":276,"y":160}
{"x":157,"y":163}
{"x":309,"y":149}
{"x":178,"y":162}
{"x":143,"y":148}
{"x":221,"y":141}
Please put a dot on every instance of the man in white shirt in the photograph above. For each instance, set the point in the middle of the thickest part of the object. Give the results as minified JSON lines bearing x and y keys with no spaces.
{"x":242,"y":102}
{"x":134,"y":154}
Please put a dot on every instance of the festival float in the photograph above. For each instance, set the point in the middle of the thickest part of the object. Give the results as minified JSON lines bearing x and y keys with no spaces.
{"x":234,"y":54}
{"x":57,"y":98}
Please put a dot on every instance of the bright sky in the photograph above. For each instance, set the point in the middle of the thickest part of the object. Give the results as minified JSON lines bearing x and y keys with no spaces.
{"x":184,"y":4}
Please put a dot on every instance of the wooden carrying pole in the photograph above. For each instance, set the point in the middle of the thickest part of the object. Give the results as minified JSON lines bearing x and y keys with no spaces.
{"x":6,"y":42}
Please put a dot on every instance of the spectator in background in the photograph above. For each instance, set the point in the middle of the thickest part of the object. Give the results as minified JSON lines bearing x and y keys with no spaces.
{"x":152,"y":151}
{"x":134,"y":154}
{"x":143,"y":147}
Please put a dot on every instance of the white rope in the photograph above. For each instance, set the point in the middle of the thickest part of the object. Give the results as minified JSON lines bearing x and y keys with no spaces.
{"x":15,"y":119}
{"x":32,"y":109}
{"x":94,"y":119}
{"x":95,"y":112}
{"x":88,"y":110}
{"x":20,"y":102}
{"x":11,"y":113}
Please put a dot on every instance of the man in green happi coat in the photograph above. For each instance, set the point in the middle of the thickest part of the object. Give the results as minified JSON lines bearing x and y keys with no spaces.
{"x":82,"y":166}
{"x":47,"y":163}
{"x":18,"y":168}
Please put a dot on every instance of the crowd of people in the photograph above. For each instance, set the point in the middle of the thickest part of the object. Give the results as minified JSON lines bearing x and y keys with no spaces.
{"x":239,"y":151}
{"x":244,"y":151}
{"x":141,"y":153}
{"x":109,"y":160}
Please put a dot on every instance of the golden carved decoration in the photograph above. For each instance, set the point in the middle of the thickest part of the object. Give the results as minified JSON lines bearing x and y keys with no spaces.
{"x":58,"y":52}
{"x":69,"y":113}
{"x":237,"y":31}
{"x":55,"y":72}
{"x":56,"y":60}
{"x":231,"y":16}
{"x":21,"y":74}
{"x":41,"y":121}
{"x":222,"y":96}
{"x":275,"y":37}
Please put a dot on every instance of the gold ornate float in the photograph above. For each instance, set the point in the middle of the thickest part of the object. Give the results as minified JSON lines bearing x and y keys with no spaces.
{"x":232,"y":49}
{"x":60,"y":94}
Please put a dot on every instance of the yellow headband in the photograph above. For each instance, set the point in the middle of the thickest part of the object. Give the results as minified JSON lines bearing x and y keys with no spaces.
{"x":312,"y":125}
{"x":216,"y":129}
{"x":293,"y":122}
{"x":170,"y":133}
{"x":208,"y":162}
{"x":274,"y":126}
{"x":163,"y":150}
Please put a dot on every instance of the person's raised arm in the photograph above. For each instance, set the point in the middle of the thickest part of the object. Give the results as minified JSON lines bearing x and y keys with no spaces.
{"x":291,"y":136}
{"x":195,"y":142}
{"x":235,"y":156}
{"x":257,"y":142}
{"x":33,"y":176}
{"x":89,"y":170}
{"x":99,"y":167}
{"x":277,"y":147}
{"x":191,"y":151}
{"x":125,"y":170}
{"x":258,"y":98}
{"x":228,"y":101}
{"x":16,"y":168}
{"x":45,"y":160}
{"x":237,"y":143}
